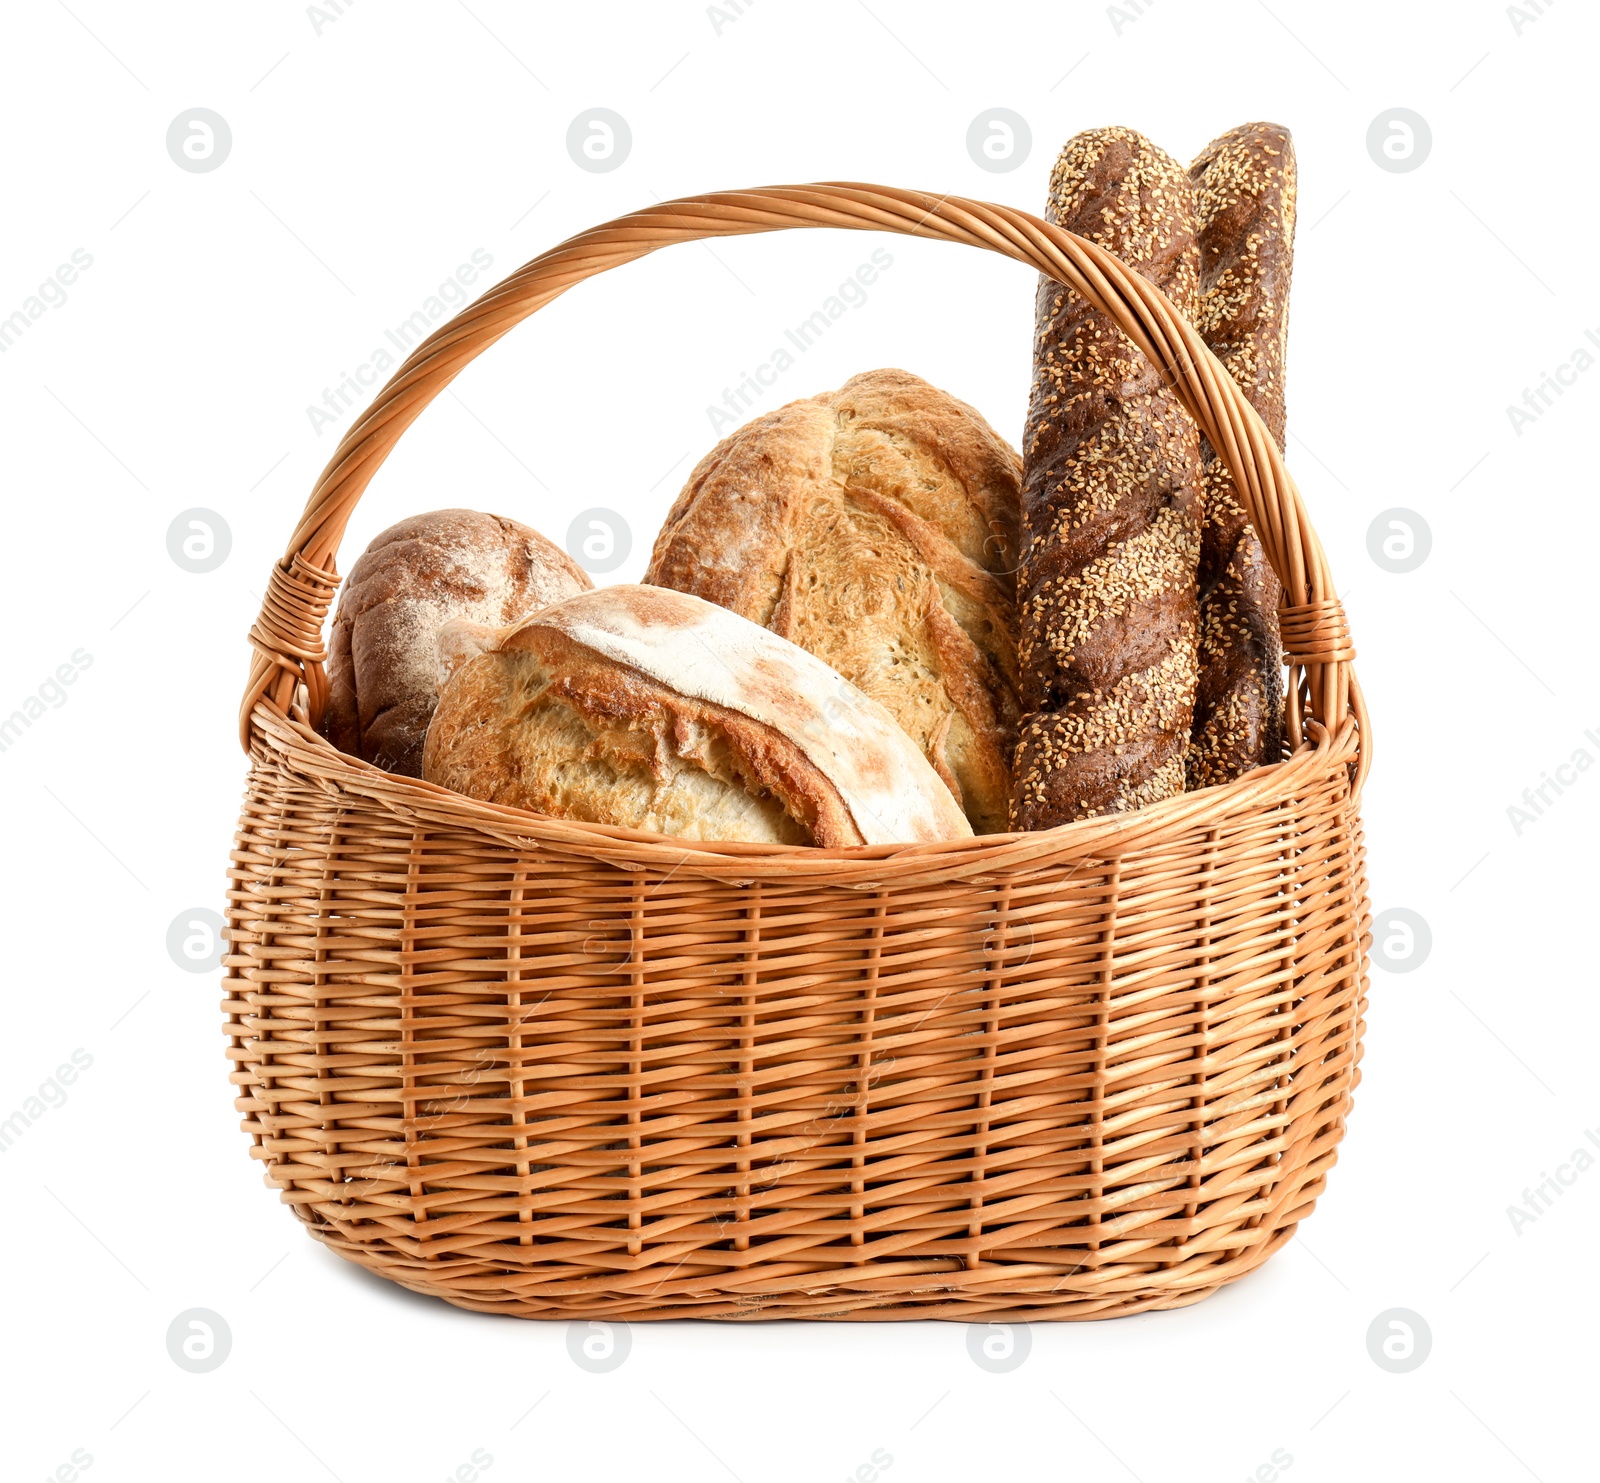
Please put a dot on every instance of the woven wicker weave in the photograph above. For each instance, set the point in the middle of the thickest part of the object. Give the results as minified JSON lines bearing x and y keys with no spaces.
{"x":562,"y":1070}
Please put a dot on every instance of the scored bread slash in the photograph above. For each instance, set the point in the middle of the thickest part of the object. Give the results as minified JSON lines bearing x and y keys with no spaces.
{"x":654,"y":709}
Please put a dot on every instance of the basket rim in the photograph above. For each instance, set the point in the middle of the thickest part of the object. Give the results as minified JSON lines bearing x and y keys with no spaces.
{"x":295,"y":745}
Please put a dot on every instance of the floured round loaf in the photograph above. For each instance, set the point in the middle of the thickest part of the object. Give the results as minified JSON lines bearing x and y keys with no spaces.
{"x":415,"y":577}
{"x":656,"y":710}
{"x":876,"y":526}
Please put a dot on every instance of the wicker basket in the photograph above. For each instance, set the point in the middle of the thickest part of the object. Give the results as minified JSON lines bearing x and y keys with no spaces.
{"x":562,"y":1070}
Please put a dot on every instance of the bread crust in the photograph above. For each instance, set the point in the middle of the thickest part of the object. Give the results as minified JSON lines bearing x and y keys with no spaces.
{"x":657,"y":710}
{"x":877,"y":527}
{"x":551,"y":727}
{"x":1245,"y":183}
{"x":1107,"y":614}
{"x":414,"y":577}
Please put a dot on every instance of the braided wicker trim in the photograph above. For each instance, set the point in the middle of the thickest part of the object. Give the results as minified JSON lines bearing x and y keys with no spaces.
{"x":1316,"y":633}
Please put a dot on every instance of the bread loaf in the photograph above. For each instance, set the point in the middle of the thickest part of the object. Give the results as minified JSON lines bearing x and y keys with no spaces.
{"x":656,"y":710}
{"x":1111,"y":509}
{"x":383,"y":659}
{"x":875,"y":526}
{"x":1245,"y":201}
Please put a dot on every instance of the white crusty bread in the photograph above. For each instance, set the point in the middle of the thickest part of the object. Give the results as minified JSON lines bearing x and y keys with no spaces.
{"x":875,"y":526}
{"x":657,"y":710}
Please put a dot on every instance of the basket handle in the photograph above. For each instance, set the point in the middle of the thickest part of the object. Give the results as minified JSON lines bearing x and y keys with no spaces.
{"x":287,"y":636}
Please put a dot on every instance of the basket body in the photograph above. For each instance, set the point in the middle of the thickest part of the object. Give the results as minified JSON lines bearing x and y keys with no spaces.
{"x":558,"y":1070}
{"x":532,"y":1081}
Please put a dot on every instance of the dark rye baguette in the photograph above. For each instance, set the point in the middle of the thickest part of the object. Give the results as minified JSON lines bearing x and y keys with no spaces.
{"x":1245,"y":199}
{"x":1111,"y":510}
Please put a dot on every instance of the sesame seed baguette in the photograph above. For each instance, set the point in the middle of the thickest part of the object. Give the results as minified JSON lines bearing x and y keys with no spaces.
{"x":1245,"y":199}
{"x":1107,"y":620}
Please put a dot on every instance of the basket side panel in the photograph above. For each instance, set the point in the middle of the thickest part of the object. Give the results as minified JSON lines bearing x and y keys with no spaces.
{"x":537,"y":1083}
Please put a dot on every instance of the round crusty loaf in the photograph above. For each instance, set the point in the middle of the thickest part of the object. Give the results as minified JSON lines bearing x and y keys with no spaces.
{"x":416,"y":576}
{"x":656,"y":710}
{"x":875,"y":526}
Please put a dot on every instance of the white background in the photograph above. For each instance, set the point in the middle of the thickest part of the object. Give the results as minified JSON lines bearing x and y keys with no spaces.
{"x":370,"y":157}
